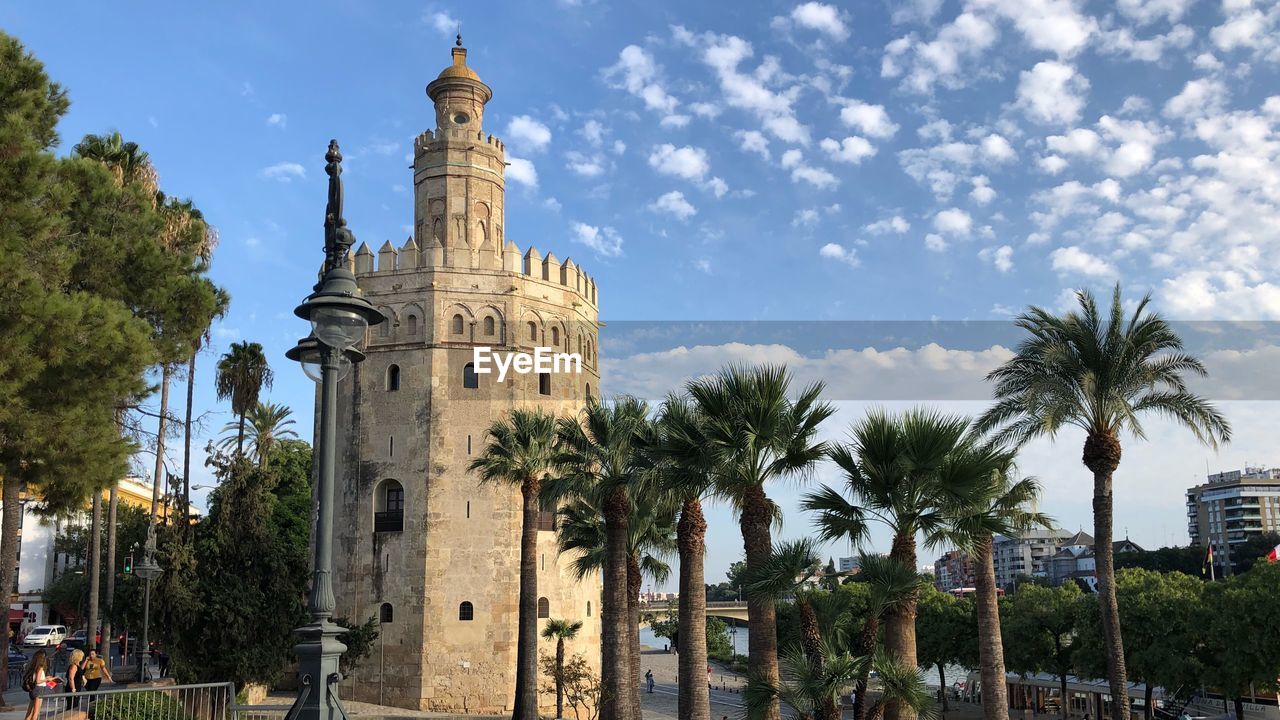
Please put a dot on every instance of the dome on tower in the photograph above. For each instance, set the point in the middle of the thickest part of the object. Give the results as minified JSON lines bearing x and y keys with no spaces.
{"x":458,"y":77}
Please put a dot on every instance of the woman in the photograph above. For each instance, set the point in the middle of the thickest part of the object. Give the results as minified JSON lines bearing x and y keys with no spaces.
{"x":95,"y":668}
{"x":75,"y":675}
{"x":35,"y":681}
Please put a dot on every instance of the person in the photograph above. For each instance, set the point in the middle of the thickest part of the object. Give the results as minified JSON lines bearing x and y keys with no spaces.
{"x":648,"y":678}
{"x":162,"y":659}
{"x":35,"y":680}
{"x":75,"y":675}
{"x":95,"y":668}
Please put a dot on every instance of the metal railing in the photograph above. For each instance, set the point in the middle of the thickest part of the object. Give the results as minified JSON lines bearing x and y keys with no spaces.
{"x":205,"y":701}
{"x":388,"y":521}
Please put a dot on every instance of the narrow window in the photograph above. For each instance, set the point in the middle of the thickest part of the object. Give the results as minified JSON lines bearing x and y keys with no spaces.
{"x":385,"y":613}
{"x":469,"y":378}
{"x":544,"y":561}
{"x":588,"y":391}
{"x":388,"y":507}
{"x":457,"y":324}
{"x":544,"y":383}
{"x":412,"y":324}
{"x":588,"y":608}
{"x":391,"y":446}
{"x":468,"y":444}
{"x":533,"y":331}
{"x":544,"y":608}
{"x":468,"y":508}
{"x":555,"y":337}
{"x":466,"y":612}
{"x":393,"y":378}
{"x":488,"y":326}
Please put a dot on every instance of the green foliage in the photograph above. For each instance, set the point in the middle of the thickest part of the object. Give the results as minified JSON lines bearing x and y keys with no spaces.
{"x":1252,"y":551}
{"x":359,"y":639}
{"x":140,"y":706}
{"x":719,"y":645}
{"x":1187,"y":560}
{"x":1242,"y":637}
{"x":946,"y":630}
{"x":68,"y":593}
{"x":583,"y":691}
{"x":267,"y":424}
{"x":1038,"y":626}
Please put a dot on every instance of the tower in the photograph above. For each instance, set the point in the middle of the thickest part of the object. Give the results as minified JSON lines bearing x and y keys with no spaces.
{"x":422,"y":545}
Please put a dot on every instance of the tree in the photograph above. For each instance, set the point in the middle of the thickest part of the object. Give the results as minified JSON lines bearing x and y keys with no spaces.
{"x":358,"y":640}
{"x":902,"y":471}
{"x":520,"y":451}
{"x":1039,"y":631}
{"x":242,"y":373}
{"x":560,"y":630}
{"x":268,"y":423}
{"x":600,"y":462}
{"x":1187,"y":560}
{"x":582,"y":689}
{"x":805,"y":688}
{"x":1000,"y":506}
{"x":1100,"y":375}
{"x":755,"y":432}
{"x":1253,"y":550}
{"x":1242,"y":630}
{"x":887,"y":582}
{"x":944,"y":629}
{"x":1160,"y":614}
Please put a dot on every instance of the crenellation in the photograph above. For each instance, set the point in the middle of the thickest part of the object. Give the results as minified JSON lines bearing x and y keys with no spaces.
{"x":409,"y":254}
{"x":387,"y":258}
{"x":551,"y":268}
{"x":364,"y":260}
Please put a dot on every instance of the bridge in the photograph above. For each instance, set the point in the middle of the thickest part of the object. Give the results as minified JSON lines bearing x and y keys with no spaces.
{"x":726,"y":610}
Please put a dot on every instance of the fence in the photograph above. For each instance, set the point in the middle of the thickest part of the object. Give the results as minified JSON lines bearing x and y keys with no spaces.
{"x":208,"y":701}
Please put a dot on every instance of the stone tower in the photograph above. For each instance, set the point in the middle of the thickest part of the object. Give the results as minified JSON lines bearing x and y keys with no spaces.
{"x":422,"y":545}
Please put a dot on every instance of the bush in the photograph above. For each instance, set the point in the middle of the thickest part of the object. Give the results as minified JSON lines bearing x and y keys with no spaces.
{"x":140,"y":706}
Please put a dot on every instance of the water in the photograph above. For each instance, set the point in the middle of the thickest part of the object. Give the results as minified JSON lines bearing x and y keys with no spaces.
{"x":738,"y":639}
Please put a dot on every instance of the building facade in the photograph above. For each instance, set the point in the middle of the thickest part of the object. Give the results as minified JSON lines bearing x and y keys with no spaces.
{"x":953,"y":571}
{"x":1231,"y":507}
{"x":1026,"y":554}
{"x":421,"y":543}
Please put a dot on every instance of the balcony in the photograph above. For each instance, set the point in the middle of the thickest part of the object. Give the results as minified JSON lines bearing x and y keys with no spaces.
{"x":389,"y":521}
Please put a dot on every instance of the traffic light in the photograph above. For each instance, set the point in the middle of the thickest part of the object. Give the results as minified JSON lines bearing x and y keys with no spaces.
{"x":128,"y":564}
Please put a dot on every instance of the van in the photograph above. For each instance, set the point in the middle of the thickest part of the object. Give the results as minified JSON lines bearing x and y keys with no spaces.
{"x":46,"y":636}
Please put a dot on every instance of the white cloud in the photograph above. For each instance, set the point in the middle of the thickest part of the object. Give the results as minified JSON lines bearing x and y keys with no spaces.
{"x":935,"y":242}
{"x":284,"y":172}
{"x":1145,"y":12}
{"x":704,"y":109}
{"x":806,"y":217}
{"x":619,"y":147}
{"x":639,"y":75}
{"x":1073,"y":260}
{"x":839,"y":253}
{"x":939,"y":60}
{"x":279,"y":120}
{"x":522,"y":171}
{"x":1052,"y":93}
{"x":954,"y":222}
{"x":717,"y":186}
{"x":753,"y":141}
{"x":896,"y":224}
{"x":1001,"y":257}
{"x":1121,"y":41}
{"x":791,"y":158}
{"x":1199,"y":98}
{"x":1221,"y":294}
{"x":815,"y":176}
{"x":852,"y":149}
{"x":674,"y":204}
{"x":1246,"y":27}
{"x":1078,"y":141}
{"x":996,"y":149}
{"x":443,"y":22}
{"x":585,"y":165}
{"x":823,"y":18}
{"x":604,"y":241}
{"x":526,"y":134}
{"x":871,"y":120}
{"x":982,"y":192}
{"x":686,"y":162}
{"x":593,"y":132}
{"x":1055,"y":26}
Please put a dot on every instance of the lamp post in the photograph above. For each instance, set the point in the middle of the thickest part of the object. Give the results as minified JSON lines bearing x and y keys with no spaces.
{"x":148,"y":570}
{"x":339,"y":318}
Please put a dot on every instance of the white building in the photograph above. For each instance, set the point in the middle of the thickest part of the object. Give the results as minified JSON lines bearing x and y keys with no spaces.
{"x":1028,"y":554}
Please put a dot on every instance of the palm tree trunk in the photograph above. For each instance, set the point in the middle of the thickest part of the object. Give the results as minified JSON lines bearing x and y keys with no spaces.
{"x":762,"y":631}
{"x":995,"y":699}
{"x":1102,"y":456}
{"x":867,"y":647}
{"x":526,"y":704}
{"x":108,"y":607}
{"x":1147,"y":710}
{"x":95,"y":565}
{"x":157,"y":479}
{"x":694,"y":700}
{"x":240,"y":437}
{"x":10,"y":522}
{"x":900,"y":624}
{"x":811,"y":637}
{"x":559,"y":678}
{"x":634,"y":581}
{"x":186,"y":445}
{"x":615,"y":665}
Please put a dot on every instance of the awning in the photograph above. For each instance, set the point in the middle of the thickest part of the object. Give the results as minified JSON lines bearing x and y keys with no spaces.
{"x":16,"y":615}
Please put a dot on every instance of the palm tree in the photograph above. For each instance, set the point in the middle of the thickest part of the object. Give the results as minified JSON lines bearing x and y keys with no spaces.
{"x":268,"y":424}
{"x":1100,"y":375}
{"x":600,"y":461}
{"x":684,"y":471}
{"x":902,"y":471}
{"x":754,"y":432}
{"x":560,"y":630}
{"x":242,"y":373}
{"x":807,"y":688}
{"x":126,"y":160}
{"x":521,"y":451}
{"x":890,"y":582}
{"x":1003,"y":507}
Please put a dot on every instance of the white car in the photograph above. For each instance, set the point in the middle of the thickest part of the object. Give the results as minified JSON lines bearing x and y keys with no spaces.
{"x":46,"y":636}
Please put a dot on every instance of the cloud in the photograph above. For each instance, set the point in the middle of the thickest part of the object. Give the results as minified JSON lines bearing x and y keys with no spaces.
{"x":585,"y":165}
{"x":1052,"y":93}
{"x":1199,"y":98}
{"x":1145,"y":12}
{"x":1073,"y":260}
{"x":674,"y":204}
{"x":935,"y":242}
{"x":522,"y":171}
{"x":593,"y":132}
{"x":687,"y":162}
{"x":806,"y":217}
{"x":443,"y":22}
{"x":982,"y":192}
{"x":871,"y":120}
{"x":279,"y":120}
{"x":839,"y":253}
{"x":604,"y":241}
{"x":284,"y":172}
{"x":850,"y":150}
{"x":1001,"y":257}
{"x":896,"y":224}
{"x":1055,"y":26}
{"x":753,"y":141}
{"x":939,"y":60}
{"x":996,"y":149}
{"x":639,"y":75}
{"x":954,"y":222}
{"x":526,"y":134}
{"x":823,"y":18}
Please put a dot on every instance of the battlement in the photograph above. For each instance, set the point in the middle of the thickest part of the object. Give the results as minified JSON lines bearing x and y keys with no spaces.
{"x":411,"y":258}
{"x":423,"y":142}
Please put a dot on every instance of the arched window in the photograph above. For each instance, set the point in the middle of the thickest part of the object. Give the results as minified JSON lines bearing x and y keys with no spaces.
{"x":533,"y":331}
{"x":488,"y":326}
{"x":544,"y":608}
{"x":588,"y":391}
{"x":544,"y":383}
{"x":470,"y":379}
{"x":412,"y":323}
{"x":588,"y":608}
{"x":555,"y":337}
{"x":388,"y":506}
{"x":385,"y":613}
{"x":457,"y":324}
{"x":466,"y":612}
{"x":393,"y":378}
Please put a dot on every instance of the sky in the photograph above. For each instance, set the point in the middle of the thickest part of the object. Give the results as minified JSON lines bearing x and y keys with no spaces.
{"x":867,"y":191}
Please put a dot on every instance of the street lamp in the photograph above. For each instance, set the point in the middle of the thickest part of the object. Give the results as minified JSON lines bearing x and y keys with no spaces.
{"x":148,"y":570}
{"x":339,"y":317}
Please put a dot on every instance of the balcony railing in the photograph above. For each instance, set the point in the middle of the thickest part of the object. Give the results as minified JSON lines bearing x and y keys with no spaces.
{"x":389,"y":521}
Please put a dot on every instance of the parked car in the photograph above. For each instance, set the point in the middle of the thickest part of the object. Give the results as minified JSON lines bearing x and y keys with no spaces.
{"x":46,"y":636}
{"x":77,"y":639}
{"x":17,"y":658}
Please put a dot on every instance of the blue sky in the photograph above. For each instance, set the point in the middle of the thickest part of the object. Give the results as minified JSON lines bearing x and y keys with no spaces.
{"x":780,"y":161}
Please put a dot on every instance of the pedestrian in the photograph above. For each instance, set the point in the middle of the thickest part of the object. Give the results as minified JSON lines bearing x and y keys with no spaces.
{"x":95,"y":668}
{"x":75,"y":675}
{"x":36,"y":681}
{"x":648,"y":678}
{"x":163,"y":660}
